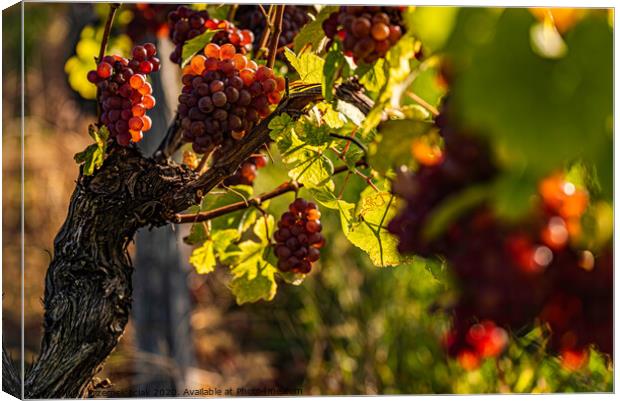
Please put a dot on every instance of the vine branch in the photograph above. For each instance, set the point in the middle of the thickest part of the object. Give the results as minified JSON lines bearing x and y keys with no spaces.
{"x":256,"y":201}
{"x":104,"y":45}
{"x":107,"y":29}
{"x":267,"y":31}
{"x":275,"y":36}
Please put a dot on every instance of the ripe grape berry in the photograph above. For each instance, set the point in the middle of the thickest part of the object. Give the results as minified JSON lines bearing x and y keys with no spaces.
{"x":509,"y":274}
{"x":298,"y":237}
{"x":247,"y":172}
{"x":366,"y":32}
{"x":185,"y":24}
{"x":295,"y":17}
{"x":224,"y":95}
{"x":148,"y":19}
{"x":125,"y":94}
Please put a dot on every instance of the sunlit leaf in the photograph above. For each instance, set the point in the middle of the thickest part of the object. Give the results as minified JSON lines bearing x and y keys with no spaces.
{"x":203,"y":258}
{"x":312,"y":33}
{"x":366,"y":227}
{"x":196,"y":44}
{"x":92,"y":157}
{"x":309,"y":66}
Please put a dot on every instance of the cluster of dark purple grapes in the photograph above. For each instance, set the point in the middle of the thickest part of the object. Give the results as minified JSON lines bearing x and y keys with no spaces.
{"x":148,"y":18}
{"x":125,"y":93}
{"x":247,"y":172}
{"x":366,"y":32}
{"x":295,"y":17}
{"x":185,"y":24}
{"x":224,"y":95}
{"x":509,"y":274}
{"x":298,"y":238}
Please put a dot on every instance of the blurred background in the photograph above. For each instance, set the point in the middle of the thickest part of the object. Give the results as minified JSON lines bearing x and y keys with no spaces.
{"x":351,"y":328}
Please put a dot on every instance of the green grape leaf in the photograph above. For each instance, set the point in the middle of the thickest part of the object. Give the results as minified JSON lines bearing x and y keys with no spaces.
{"x":372,"y":76}
{"x":327,"y":199}
{"x":224,"y":244}
{"x":198,"y":232}
{"x":393,"y":147}
{"x":292,"y":278}
{"x":366,"y":227}
{"x":219,"y":198}
{"x":92,"y":157}
{"x":334,"y":63}
{"x":309,"y":66}
{"x":253,"y":276}
{"x":281,"y":131}
{"x":310,"y":167}
{"x":397,"y":68}
{"x":264,"y":228}
{"x":312,"y":134}
{"x":353,"y":155}
{"x":203,"y":258}
{"x":330,"y":116}
{"x":195,"y":45}
{"x":415,"y":112}
{"x":312,"y":33}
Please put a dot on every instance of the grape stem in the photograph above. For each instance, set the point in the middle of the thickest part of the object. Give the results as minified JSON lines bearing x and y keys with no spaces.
{"x":232,"y":11}
{"x":256,"y":201}
{"x":104,"y":44}
{"x":275,"y":36}
{"x":107,"y":29}
{"x":351,"y":139}
{"x":266,"y":32}
{"x":201,"y":165}
{"x":423,"y":103}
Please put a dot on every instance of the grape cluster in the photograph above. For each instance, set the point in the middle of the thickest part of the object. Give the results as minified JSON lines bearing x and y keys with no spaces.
{"x":148,"y":18}
{"x":366,"y":32}
{"x":247,"y":172}
{"x":125,"y":95}
{"x":298,"y":238}
{"x":185,"y":24}
{"x":509,"y":275}
{"x":224,"y":95}
{"x":482,"y":340}
{"x":295,"y":17}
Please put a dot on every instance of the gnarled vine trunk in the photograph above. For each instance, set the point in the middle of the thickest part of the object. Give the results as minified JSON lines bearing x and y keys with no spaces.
{"x":88,"y":284}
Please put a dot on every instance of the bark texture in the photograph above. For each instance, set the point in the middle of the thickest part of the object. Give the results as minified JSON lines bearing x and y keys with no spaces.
{"x":88,"y":284}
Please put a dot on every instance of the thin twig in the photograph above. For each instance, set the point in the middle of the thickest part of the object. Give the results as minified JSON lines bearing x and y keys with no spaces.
{"x":344,"y":184}
{"x":266,"y":32}
{"x":348,"y":145}
{"x":256,"y":201}
{"x":352,"y":140}
{"x":423,"y":103}
{"x":355,"y":171}
{"x":201,"y":165}
{"x":232,"y":11}
{"x":275,"y":36}
{"x":263,"y":11}
{"x":107,"y":29}
{"x":104,"y":45}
